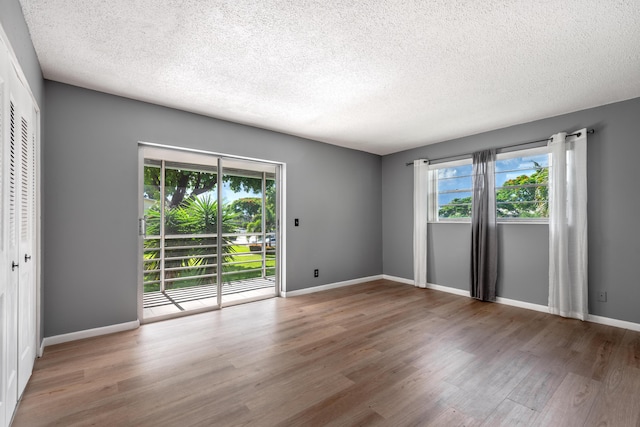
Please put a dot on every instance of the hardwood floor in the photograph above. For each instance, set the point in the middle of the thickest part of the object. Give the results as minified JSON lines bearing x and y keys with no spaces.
{"x":379,"y":353}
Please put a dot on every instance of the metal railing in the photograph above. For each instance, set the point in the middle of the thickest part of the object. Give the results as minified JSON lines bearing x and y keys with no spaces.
{"x":185,"y":260}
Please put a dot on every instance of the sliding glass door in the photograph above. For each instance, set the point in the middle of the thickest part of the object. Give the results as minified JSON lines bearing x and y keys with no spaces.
{"x":208,"y":227}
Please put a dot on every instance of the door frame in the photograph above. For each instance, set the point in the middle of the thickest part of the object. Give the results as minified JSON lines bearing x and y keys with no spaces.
{"x":190,"y":155}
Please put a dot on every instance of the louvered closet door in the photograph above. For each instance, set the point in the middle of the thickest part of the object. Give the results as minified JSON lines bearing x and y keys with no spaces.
{"x":5,"y":269}
{"x":10,"y":239}
{"x":26,"y":231}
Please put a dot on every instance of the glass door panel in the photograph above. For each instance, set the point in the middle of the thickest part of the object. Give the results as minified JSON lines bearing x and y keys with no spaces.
{"x":152,"y":206}
{"x":270,"y":227}
{"x":190,"y":227}
{"x":248,"y":265}
{"x":180,"y":262}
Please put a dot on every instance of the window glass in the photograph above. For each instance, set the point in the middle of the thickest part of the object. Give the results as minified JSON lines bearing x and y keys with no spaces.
{"x":522,"y":186}
{"x":453,"y":187}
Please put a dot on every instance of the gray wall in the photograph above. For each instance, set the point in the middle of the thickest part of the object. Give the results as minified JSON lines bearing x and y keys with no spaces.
{"x":91,"y":195}
{"x":524,"y":259}
{"x":614,"y":234}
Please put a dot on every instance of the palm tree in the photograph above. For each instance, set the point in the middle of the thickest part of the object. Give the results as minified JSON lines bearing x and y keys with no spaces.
{"x":195,"y":254}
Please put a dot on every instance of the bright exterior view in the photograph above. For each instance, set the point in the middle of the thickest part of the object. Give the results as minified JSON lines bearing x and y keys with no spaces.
{"x":521,"y":188}
{"x":185,"y":256}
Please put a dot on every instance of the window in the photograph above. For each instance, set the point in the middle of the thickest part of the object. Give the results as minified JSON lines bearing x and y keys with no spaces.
{"x":451,"y":187}
{"x":521,"y":179}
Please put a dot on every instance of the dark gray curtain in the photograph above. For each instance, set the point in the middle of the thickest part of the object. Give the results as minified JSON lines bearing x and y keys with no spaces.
{"x":484,"y":242}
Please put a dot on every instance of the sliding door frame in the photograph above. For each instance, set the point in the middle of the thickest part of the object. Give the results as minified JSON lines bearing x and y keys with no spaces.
{"x":186,"y":155}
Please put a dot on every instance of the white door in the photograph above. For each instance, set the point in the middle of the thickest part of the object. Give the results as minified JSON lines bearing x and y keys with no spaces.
{"x":26,"y":255}
{"x":11,"y":174}
{"x":18,"y":135}
{"x":5,"y":269}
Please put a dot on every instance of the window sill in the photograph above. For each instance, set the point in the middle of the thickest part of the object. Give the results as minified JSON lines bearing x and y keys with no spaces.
{"x":499,"y":222}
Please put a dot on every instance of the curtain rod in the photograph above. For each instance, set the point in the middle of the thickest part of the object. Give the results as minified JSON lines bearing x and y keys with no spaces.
{"x":462,"y":156}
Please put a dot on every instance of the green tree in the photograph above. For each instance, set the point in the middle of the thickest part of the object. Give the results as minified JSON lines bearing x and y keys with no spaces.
{"x":249,"y":210}
{"x":183,"y":183}
{"x":179,"y":184}
{"x":246,"y":208}
{"x":457,"y":208}
{"x":255,"y":226}
{"x":528,"y":196}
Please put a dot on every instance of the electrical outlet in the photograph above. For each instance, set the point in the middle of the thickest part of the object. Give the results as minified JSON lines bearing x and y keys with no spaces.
{"x":315,"y":273}
{"x":602,"y":296}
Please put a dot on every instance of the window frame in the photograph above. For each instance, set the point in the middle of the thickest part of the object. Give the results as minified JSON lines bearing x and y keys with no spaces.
{"x":434,"y":207}
{"x":511,"y":155}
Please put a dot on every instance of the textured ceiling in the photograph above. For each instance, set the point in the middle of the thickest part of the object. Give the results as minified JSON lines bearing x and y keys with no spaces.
{"x":378,"y":76}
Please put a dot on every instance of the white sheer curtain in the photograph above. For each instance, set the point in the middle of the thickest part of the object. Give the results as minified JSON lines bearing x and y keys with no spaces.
{"x":568,"y":290}
{"x":420,"y":197}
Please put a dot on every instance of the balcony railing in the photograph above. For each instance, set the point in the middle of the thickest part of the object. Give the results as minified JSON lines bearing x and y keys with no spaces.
{"x":189,"y":260}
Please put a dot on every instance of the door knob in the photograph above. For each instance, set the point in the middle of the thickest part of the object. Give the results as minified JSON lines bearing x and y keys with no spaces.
{"x":14,"y":265}
{"x":27,"y":257}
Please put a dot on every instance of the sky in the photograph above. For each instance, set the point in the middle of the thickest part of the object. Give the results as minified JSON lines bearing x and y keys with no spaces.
{"x":229,"y":196}
{"x":459,"y":178}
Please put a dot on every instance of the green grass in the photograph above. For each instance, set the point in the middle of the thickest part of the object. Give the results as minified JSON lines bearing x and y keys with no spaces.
{"x":254,"y":260}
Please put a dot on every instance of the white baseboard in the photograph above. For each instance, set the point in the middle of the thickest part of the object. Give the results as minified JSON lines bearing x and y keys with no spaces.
{"x":521,"y":304}
{"x":448,"y":289}
{"x":398,"y":279}
{"x":88,"y":333}
{"x":433,"y":286}
{"x":330,"y":286}
{"x":614,"y":322}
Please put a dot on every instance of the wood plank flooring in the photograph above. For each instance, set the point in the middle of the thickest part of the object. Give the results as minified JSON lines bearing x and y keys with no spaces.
{"x":379,"y":353}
